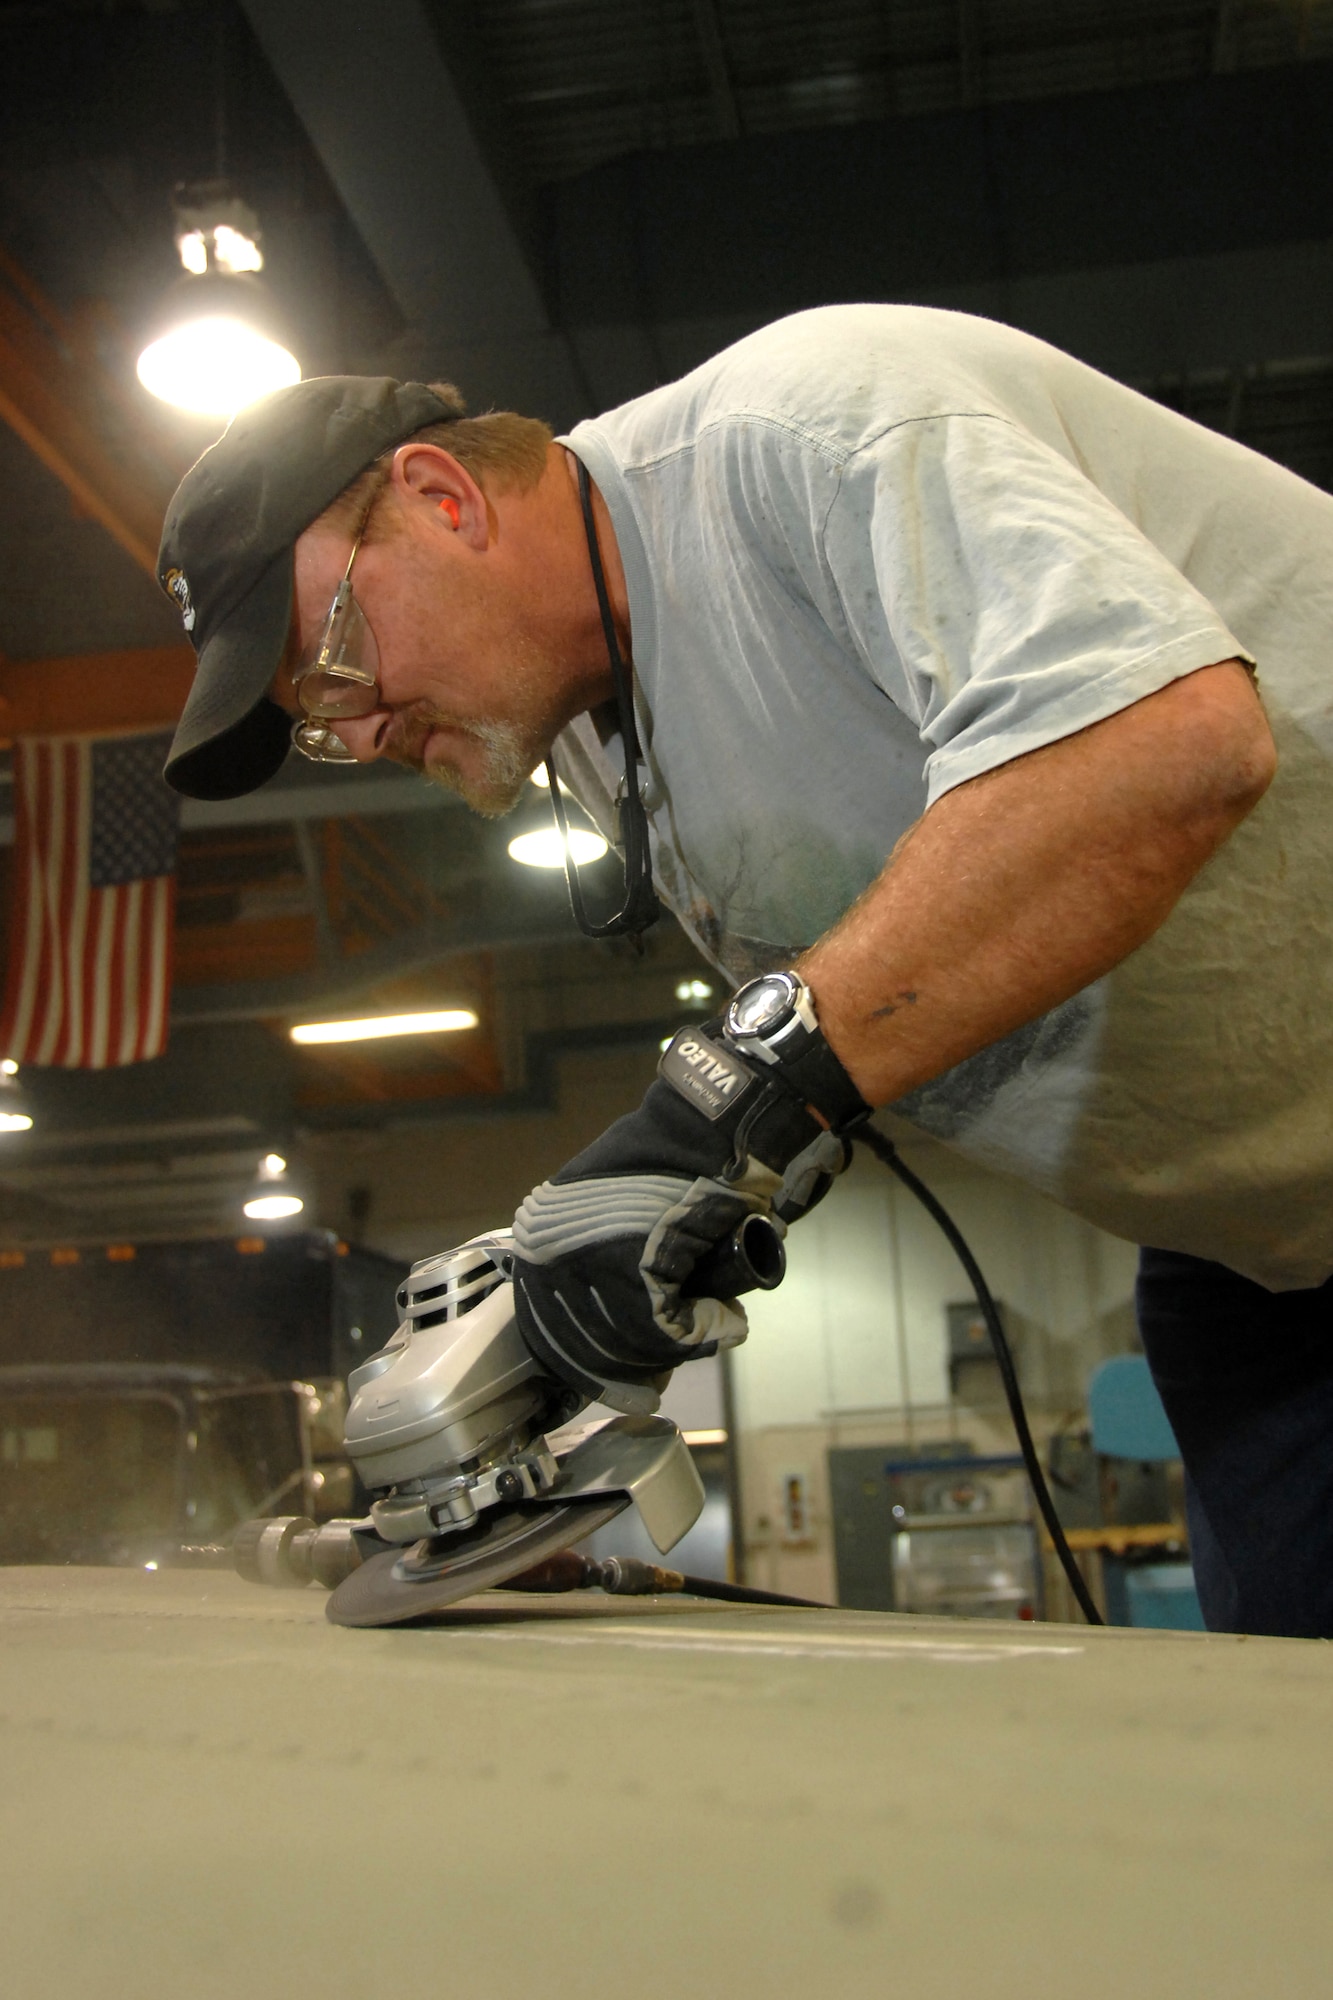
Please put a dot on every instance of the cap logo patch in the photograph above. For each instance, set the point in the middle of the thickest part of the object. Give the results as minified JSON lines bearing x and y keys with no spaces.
{"x":176,"y":585}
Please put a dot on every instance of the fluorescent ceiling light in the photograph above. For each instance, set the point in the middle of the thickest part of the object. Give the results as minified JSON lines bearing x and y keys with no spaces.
{"x":545,"y":849}
{"x":380,"y":1025}
{"x":15,"y":1121}
{"x":215,"y":366}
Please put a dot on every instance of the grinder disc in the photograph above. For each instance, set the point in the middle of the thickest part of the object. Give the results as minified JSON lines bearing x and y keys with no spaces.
{"x":430,"y":1576}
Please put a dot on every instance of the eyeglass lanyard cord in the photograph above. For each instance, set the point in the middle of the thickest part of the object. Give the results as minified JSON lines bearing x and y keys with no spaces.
{"x":641,"y":907}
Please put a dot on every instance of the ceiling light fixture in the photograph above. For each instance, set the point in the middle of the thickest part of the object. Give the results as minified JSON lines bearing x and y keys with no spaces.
{"x":544,"y":848}
{"x":215,"y":343}
{"x":538,"y":844}
{"x":446,"y":1021}
{"x":541,"y":778}
{"x":15,"y":1108}
{"x":272,"y":1198}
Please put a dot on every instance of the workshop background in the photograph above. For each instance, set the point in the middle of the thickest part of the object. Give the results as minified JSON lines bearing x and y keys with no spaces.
{"x":558,"y":204}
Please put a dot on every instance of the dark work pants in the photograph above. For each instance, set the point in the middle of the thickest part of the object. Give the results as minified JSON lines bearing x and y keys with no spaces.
{"x":1247,"y":1379}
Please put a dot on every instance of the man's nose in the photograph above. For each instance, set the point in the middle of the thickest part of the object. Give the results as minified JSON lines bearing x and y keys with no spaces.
{"x":364,"y":735}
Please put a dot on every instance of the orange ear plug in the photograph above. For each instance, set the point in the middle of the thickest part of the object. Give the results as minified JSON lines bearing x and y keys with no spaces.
{"x":450,"y":507}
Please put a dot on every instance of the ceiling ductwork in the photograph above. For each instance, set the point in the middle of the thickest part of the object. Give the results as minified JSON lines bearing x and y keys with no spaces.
{"x":383,"y":110}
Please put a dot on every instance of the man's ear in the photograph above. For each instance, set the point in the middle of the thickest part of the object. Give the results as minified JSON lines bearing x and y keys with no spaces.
{"x":426,"y":476}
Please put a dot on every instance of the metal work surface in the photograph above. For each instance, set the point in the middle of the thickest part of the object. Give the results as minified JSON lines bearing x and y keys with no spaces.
{"x":210,"y":1791}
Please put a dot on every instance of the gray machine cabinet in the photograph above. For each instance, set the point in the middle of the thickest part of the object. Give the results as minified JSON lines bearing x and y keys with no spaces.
{"x":943,"y":1531}
{"x":863,"y":1526}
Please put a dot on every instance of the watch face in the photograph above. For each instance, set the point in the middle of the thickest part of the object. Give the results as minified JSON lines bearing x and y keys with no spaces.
{"x":762,"y":1004}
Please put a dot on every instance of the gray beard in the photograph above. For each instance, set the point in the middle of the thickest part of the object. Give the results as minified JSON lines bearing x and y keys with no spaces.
{"x":509,"y":760}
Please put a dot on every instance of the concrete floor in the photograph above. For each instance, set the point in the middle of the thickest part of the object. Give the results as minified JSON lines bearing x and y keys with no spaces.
{"x":209,"y":1791}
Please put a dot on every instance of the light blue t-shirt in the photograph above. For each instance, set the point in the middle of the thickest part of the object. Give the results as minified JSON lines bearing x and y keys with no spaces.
{"x":874,"y":551}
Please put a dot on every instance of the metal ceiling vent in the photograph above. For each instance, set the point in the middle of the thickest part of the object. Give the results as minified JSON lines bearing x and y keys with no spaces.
{"x":446,"y":1286}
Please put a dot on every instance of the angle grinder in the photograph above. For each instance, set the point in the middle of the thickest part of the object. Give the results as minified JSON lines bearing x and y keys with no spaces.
{"x":469,"y":1448}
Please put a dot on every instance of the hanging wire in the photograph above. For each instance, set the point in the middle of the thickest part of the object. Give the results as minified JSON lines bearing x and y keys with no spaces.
{"x":640,"y":907}
{"x":887,"y":1153}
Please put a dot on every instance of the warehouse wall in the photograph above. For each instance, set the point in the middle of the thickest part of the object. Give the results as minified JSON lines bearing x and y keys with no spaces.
{"x":426,"y":1186}
{"x":860,"y":1324}
{"x":853,"y":1349}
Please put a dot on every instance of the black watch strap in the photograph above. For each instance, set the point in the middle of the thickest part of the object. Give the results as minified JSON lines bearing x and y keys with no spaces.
{"x":816,"y":1074}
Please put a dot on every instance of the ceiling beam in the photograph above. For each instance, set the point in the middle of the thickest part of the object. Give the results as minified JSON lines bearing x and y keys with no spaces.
{"x":234,"y":955}
{"x":367,"y":795}
{"x":383,"y":110}
{"x":145,"y":688}
{"x":56,"y":396}
{"x":288,"y":804}
{"x":721,"y":86}
{"x":970,"y":52}
{"x":904,"y":208}
{"x":142,"y":688}
{"x":520,"y":924}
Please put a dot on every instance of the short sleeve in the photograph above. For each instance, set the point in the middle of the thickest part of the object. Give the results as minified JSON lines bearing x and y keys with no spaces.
{"x":998,"y":597}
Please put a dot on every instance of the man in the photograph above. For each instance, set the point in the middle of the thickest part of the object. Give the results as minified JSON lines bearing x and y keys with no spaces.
{"x":944,"y":654}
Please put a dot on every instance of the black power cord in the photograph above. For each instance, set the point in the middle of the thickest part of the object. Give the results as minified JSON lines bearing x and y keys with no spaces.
{"x":743,"y":1593}
{"x":628,"y":1576}
{"x":886,"y":1152}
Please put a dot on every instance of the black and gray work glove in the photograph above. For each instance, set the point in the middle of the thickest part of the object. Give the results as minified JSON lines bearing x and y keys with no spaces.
{"x":605,"y":1250}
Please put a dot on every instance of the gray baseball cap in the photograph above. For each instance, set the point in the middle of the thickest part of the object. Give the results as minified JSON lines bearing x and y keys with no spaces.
{"x":226,"y":557}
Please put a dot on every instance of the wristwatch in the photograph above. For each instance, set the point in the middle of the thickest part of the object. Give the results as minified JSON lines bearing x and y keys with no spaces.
{"x":772,"y":1020}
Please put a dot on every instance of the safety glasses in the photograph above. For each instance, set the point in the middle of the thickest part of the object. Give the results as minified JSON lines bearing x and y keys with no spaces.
{"x":337,"y":679}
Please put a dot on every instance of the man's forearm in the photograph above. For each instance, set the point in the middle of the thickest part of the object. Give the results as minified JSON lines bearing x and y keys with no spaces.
{"x":1023,"y":886}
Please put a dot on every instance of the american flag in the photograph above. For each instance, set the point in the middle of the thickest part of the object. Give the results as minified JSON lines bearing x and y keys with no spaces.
{"x":89,"y":978}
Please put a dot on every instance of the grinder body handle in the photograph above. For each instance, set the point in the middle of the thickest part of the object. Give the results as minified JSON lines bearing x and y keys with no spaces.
{"x":752,"y":1259}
